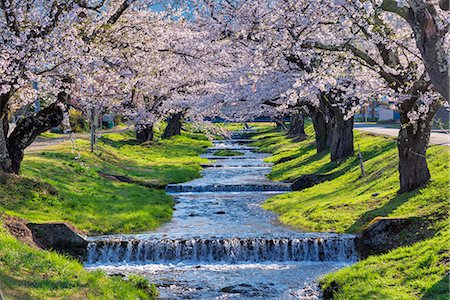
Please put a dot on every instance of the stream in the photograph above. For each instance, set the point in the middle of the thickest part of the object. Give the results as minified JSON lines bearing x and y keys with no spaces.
{"x":221,"y":244}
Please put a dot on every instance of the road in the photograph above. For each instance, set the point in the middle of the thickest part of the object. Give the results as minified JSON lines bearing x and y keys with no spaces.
{"x":438,"y":137}
{"x":41,"y":143}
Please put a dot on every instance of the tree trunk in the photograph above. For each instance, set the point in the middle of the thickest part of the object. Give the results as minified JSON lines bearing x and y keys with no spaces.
{"x":423,"y":19}
{"x":12,"y":147}
{"x":93,"y":128}
{"x":5,"y":160}
{"x":173,"y":126}
{"x":297,"y":128}
{"x":412,"y":146}
{"x":430,"y":41}
{"x":144,"y":133}
{"x":413,"y":139}
{"x":322,"y":129}
{"x":280,"y":125}
{"x":342,"y":138}
{"x":28,"y":129}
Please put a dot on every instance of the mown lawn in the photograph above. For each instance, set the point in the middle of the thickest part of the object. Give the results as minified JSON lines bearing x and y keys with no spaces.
{"x":347,"y":201}
{"x":81,"y":194}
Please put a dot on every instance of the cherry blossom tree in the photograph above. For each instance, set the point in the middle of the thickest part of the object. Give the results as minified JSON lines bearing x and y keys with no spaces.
{"x":52,"y":43}
{"x":378,"y":44}
{"x":234,"y":59}
{"x":429,"y":21}
{"x":383,"y":43}
{"x":33,"y":43}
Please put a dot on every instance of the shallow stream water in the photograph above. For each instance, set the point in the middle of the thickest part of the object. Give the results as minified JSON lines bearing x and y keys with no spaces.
{"x":221,"y":244}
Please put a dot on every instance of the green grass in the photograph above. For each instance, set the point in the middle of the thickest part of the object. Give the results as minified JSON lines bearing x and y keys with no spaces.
{"x":97,"y":205}
{"x":28,"y":273}
{"x":419,"y":271}
{"x":50,"y":135}
{"x":346,"y":202}
{"x":59,"y":185}
{"x":228,"y":153}
{"x":230,"y":126}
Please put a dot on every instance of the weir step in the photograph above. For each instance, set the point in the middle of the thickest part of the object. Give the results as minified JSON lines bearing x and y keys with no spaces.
{"x":231,"y":157}
{"x":230,"y":250}
{"x":233,"y":141}
{"x":236,"y":166}
{"x":234,"y":148}
{"x":229,"y":188}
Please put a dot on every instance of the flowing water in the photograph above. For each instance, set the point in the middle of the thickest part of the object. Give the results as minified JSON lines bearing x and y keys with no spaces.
{"x":221,"y":244}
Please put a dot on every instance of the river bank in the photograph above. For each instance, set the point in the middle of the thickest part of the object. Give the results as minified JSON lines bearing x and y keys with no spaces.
{"x":118,"y":188}
{"x":221,"y":244}
{"x":345,"y":202}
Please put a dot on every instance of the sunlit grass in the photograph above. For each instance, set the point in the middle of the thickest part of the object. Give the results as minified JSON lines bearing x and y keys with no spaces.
{"x":90,"y":201}
{"x":58,"y":186}
{"x":347,"y":201}
{"x":27,"y":273}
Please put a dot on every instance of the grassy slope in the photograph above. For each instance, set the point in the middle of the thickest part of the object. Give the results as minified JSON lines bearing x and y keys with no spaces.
{"x":27,"y":273}
{"x":56,"y":186}
{"x":347,"y":202}
{"x":93,"y":203}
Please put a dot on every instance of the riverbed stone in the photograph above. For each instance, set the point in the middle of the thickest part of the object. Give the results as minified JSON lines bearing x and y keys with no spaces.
{"x":243,"y":289}
{"x":61,"y":237}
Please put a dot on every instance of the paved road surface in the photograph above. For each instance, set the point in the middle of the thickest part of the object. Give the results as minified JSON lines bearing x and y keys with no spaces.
{"x":437,"y":137}
{"x":41,"y":143}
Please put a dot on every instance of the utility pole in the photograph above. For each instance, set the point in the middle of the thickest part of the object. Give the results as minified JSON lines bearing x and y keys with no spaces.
{"x":93,"y":127}
{"x":37,"y":104}
{"x":361,"y":162}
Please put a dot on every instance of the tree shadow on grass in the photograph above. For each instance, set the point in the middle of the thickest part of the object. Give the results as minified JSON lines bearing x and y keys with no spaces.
{"x":289,"y":165}
{"x":382,"y":211}
{"x":120,"y":143}
{"x":13,"y":285}
{"x":299,"y":153}
{"x":336,"y":169}
{"x":439,"y":291}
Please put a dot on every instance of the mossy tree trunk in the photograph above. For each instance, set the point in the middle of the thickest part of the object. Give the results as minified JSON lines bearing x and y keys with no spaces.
{"x":323,"y":125}
{"x":297,"y":126}
{"x":342,"y":139}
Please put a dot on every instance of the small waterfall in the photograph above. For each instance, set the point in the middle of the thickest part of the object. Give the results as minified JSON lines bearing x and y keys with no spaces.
{"x":226,"y":147}
{"x":232,"y":157}
{"x":233,"y":141}
{"x":262,"y":165}
{"x":228,"y":188}
{"x":229,"y":250}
